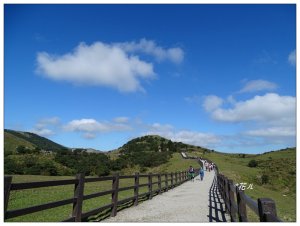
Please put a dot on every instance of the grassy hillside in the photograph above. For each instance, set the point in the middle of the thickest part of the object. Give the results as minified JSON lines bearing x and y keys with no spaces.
{"x":273,"y":177}
{"x":35,"y":140}
{"x":11,"y":142}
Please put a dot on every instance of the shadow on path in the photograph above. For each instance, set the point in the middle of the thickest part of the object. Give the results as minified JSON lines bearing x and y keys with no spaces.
{"x":216,"y":204}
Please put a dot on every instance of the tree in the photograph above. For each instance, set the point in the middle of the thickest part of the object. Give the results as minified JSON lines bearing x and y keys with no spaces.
{"x":252,"y":163}
{"x":264,"y":179}
{"x":21,"y":149}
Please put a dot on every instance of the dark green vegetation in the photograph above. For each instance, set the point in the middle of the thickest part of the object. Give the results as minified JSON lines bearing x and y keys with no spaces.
{"x":30,"y":154}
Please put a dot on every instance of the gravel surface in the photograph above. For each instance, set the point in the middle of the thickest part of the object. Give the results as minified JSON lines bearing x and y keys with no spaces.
{"x":188,"y":202}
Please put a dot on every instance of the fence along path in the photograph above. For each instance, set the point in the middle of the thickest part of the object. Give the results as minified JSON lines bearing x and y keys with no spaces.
{"x":156,"y":184}
{"x":196,"y":201}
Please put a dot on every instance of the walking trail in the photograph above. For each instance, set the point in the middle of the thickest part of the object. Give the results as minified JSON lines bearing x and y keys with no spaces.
{"x":197,"y":201}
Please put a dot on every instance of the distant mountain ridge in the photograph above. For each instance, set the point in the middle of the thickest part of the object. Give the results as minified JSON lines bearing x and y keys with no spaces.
{"x":13,"y":139}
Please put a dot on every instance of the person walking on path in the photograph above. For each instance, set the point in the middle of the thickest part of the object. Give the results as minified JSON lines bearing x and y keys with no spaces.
{"x":191,"y":173}
{"x":201,"y":173}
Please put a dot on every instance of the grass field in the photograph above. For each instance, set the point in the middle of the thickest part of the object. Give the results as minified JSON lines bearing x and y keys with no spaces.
{"x":31,"y":197}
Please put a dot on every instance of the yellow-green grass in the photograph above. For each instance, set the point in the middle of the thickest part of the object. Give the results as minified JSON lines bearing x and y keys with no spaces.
{"x":37,"y":196}
{"x":235,"y":167}
{"x":11,"y":142}
{"x":175,"y":164}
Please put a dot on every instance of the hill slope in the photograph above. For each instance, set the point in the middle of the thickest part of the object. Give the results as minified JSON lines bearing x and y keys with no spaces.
{"x":13,"y":139}
{"x":274,"y":176}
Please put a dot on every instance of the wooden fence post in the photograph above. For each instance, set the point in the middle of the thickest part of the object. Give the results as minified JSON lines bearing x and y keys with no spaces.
{"x":136,"y":188}
{"x":150,"y":185}
{"x":114,"y":198}
{"x":159,"y":183}
{"x":166,"y":181}
{"x":78,"y":197}
{"x":172,"y":182}
{"x":242,"y":210}
{"x":226,"y":195}
{"x":7,"y":185}
{"x":231,"y":201}
{"x":266,"y":207}
{"x":176,"y":178}
{"x":179,"y":175}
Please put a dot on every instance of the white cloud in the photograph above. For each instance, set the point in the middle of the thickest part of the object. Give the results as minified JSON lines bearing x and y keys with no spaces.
{"x":269,"y":108}
{"x":98,"y":64}
{"x":89,"y":127}
{"x":43,"y":132}
{"x":48,"y":121}
{"x":42,"y":126}
{"x":121,"y":119}
{"x":149,"y":47}
{"x":292,"y":57}
{"x":212,"y":102}
{"x":288,"y":131}
{"x":115,"y":65}
{"x":258,"y":85}
{"x":185,"y":136}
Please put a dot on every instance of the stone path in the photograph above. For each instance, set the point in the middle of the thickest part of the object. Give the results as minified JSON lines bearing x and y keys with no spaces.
{"x":197,"y":201}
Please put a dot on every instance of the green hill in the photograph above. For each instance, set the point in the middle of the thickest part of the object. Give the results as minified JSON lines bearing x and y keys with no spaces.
{"x":11,"y":142}
{"x":13,"y":139}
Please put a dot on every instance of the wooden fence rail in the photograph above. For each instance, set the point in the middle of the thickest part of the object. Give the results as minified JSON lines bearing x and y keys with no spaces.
{"x":164,"y":181}
{"x":264,"y":207}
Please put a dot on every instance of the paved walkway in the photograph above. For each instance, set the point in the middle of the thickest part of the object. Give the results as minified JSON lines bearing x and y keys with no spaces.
{"x":197,"y":201}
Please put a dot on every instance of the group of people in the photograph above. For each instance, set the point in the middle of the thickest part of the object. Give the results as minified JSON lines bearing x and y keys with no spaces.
{"x":208,"y":167}
{"x":192,"y":173}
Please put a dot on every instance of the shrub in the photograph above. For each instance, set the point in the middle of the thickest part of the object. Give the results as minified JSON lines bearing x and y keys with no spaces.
{"x":264,"y":179}
{"x":252,"y":163}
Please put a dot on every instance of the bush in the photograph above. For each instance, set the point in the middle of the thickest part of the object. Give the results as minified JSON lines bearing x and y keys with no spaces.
{"x":252,"y":163}
{"x":264,"y":179}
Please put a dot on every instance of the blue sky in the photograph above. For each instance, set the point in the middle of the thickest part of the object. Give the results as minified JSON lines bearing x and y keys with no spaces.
{"x":96,"y":76}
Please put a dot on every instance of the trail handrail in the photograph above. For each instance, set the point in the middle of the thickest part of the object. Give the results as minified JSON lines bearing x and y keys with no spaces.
{"x":265,"y":208}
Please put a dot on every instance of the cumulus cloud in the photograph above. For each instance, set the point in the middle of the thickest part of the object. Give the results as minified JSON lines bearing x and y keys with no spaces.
{"x":98,"y":64}
{"x":258,"y":85}
{"x":270,"y":107}
{"x":89,"y":127}
{"x":149,"y":47}
{"x":292,"y":58}
{"x":212,"y":102}
{"x":115,"y":65}
{"x":185,"y":136}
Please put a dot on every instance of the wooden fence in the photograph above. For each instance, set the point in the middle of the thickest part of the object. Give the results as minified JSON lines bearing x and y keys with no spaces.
{"x":164,"y":182}
{"x":236,"y":201}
